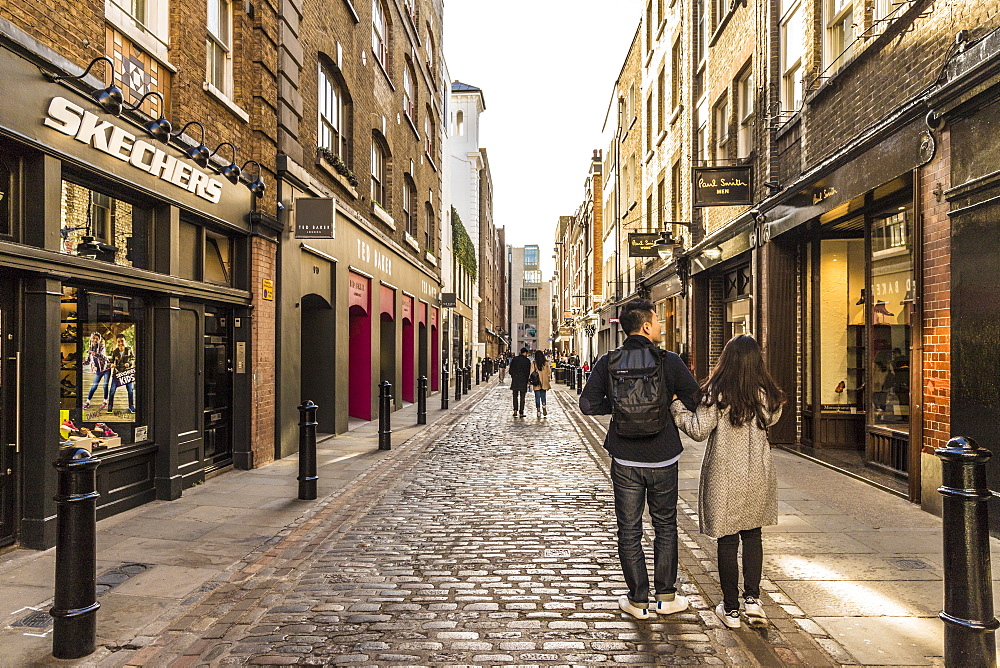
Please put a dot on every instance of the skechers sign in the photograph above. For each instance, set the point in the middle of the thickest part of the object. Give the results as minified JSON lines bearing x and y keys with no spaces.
{"x":88,"y":128}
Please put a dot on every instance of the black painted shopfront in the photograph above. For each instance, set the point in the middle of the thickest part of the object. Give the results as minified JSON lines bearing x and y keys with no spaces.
{"x":124,"y":313}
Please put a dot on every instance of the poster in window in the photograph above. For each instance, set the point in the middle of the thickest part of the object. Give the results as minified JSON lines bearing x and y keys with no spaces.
{"x":109,"y":372}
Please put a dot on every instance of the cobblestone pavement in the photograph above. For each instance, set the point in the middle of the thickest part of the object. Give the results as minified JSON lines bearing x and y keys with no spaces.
{"x":491,"y":542}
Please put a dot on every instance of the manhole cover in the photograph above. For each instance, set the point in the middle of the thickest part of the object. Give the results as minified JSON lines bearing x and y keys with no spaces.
{"x":35,"y":620}
{"x":556,"y":553}
{"x":911,"y":564}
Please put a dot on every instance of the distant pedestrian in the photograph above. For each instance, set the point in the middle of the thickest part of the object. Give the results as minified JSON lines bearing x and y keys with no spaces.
{"x":541,"y":377}
{"x":738,"y":491}
{"x":502,"y":368}
{"x":645,"y":447}
{"x":520,"y":369}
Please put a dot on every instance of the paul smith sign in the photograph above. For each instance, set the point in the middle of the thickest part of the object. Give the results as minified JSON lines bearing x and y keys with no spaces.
{"x":106,"y":137}
{"x":722,"y":186}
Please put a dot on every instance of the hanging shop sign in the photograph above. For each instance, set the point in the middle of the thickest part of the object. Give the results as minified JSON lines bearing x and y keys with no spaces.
{"x":315,"y":218}
{"x":106,"y":137}
{"x":448,"y":300}
{"x":722,"y":186}
{"x":642,"y":244}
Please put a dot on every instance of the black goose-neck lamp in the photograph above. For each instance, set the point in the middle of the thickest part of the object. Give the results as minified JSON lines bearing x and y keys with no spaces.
{"x":666,"y":244}
{"x":257,"y":186}
{"x":158,"y":128}
{"x":110,"y":99}
{"x":200,"y":154}
{"x":231,"y":171}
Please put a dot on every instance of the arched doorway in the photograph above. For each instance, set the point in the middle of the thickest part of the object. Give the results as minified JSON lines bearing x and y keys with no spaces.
{"x":435,"y":352}
{"x":359,"y":402}
{"x":387,"y":336}
{"x":318,"y":362}
{"x":422,"y":369}
{"x":408,"y":375}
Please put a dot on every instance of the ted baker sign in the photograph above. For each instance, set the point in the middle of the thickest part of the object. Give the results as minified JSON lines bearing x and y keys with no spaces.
{"x":106,"y":137}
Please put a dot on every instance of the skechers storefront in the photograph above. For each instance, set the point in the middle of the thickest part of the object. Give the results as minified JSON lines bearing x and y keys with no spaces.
{"x":124,"y":319}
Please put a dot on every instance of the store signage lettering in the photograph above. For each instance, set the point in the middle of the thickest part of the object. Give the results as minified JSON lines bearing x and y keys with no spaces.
{"x":722,"y":186}
{"x":267,"y":289}
{"x":315,"y":218}
{"x":642,"y":244}
{"x":381,"y":261}
{"x":106,"y":137}
{"x":448,"y":300}
{"x":823,"y":194}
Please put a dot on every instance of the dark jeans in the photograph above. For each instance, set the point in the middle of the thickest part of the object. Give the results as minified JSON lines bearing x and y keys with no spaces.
{"x":519,"y":400}
{"x":753,"y":561}
{"x":633,"y":487}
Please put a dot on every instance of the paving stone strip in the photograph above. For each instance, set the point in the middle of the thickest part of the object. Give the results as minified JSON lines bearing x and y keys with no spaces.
{"x":486,"y":541}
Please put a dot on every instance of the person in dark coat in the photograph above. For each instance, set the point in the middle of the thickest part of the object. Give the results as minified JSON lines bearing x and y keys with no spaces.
{"x":520,"y":370}
{"x":644,"y":469}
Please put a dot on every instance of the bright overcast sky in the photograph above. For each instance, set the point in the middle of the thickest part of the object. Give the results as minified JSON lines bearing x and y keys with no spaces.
{"x":547,"y":69}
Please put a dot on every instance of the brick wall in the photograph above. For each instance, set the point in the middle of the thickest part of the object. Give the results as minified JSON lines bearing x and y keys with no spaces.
{"x":934,"y":179}
{"x":716,"y":319}
{"x":263,"y":254}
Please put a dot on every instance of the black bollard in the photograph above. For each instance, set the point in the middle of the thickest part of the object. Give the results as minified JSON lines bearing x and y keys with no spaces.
{"x":477,"y":373}
{"x":969,"y":624}
{"x":468,"y":380}
{"x":579,"y":380}
{"x":307,"y":451}
{"x":422,"y":400}
{"x":74,"y":606}
{"x":444,"y":392}
{"x":384,"y":426}
{"x":459,"y":382}
{"x":571,"y":375}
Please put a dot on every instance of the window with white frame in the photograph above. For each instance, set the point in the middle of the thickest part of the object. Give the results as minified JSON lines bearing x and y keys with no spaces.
{"x":839,"y":33}
{"x":429,"y":227}
{"x":410,"y":205}
{"x":380,"y":156}
{"x":409,"y":92}
{"x":676,"y":64}
{"x":219,"y":46}
{"x":675,"y":190}
{"x":134,"y":8}
{"x":649,"y":121}
{"x":721,"y":9}
{"x":429,"y":46}
{"x":429,"y":126}
{"x":661,"y":99}
{"x":701,"y":138}
{"x":333,"y":116}
{"x":744,"y":112}
{"x":649,"y":26}
{"x":792,"y":39}
{"x":720,"y":128}
{"x":700,"y":39}
{"x":459,"y":123}
{"x":660,"y":214}
{"x":380,"y":34}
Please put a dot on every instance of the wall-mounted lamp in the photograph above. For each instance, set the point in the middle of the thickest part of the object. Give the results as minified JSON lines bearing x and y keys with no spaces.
{"x":158,"y":128}
{"x":665,"y":245}
{"x":257,"y":186}
{"x":200,"y":153}
{"x":111,"y":99}
{"x":231,"y":171}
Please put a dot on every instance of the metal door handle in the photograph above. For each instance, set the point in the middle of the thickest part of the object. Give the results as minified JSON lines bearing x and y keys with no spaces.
{"x":17,"y":402}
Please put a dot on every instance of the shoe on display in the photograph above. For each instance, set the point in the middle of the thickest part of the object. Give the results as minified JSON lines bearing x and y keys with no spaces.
{"x":69,"y":333}
{"x":731,"y":619}
{"x":631,"y":608}
{"x":752,"y":607}
{"x":86,"y":404}
{"x":677,"y":604}
{"x":108,"y":431}
{"x":68,"y":384}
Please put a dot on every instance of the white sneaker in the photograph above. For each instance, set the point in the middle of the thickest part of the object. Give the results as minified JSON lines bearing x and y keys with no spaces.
{"x":545,"y":411}
{"x":731,"y":618}
{"x":628,"y":607}
{"x":539,"y":412}
{"x":679,"y":604}
{"x":752,"y":607}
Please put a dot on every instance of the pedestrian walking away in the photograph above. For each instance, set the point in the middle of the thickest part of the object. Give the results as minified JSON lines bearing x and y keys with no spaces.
{"x":645,"y":447}
{"x":502,"y":368}
{"x":541,"y":382}
{"x":738,"y":490}
{"x":520,"y":370}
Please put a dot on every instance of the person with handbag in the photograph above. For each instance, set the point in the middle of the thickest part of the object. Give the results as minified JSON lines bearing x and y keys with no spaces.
{"x":738,"y":489}
{"x":541,"y":381}
{"x":645,"y":447}
{"x":122,"y":373}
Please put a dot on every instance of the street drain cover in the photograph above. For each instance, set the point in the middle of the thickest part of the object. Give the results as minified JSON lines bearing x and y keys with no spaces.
{"x":911,"y":564}
{"x":556,"y":553}
{"x":35,"y":620}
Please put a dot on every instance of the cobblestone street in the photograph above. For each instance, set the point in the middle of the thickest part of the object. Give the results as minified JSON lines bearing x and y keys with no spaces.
{"x":495,"y":546}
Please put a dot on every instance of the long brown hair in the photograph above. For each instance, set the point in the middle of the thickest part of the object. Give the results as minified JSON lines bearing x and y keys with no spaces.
{"x":739,"y":381}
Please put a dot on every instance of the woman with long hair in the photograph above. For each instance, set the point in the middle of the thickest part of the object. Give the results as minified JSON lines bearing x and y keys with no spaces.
{"x":541,"y":366}
{"x":100,"y":365}
{"x":738,"y":490}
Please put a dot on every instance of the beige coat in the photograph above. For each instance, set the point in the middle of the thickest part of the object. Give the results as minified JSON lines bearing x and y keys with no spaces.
{"x":738,"y":489}
{"x":544,"y":375}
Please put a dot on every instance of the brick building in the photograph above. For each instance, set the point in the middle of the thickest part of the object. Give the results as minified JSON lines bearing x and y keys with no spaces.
{"x":852,"y":233}
{"x":133,"y":256}
{"x":361,"y":113}
{"x":493,"y":329}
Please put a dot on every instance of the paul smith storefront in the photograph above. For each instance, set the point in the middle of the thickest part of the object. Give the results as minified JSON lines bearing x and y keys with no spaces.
{"x":124,"y":324}
{"x":355,"y":311}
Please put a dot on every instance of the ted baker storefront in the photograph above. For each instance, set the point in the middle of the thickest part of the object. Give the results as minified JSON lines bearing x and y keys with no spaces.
{"x":124,"y":319}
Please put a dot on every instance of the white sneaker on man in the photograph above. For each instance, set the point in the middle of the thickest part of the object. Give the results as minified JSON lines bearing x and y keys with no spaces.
{"x":752,"y":607}
{"x":631,"y":608}
{"x":677,"y":604}
{"x":731,"y":618}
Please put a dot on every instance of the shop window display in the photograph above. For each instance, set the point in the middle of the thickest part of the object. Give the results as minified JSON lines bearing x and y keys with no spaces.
{"x":97,"y":225}
{"x":100,"y":346}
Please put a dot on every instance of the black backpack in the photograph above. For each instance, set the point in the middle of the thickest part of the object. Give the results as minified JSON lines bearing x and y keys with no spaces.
{"x":639,"y":390}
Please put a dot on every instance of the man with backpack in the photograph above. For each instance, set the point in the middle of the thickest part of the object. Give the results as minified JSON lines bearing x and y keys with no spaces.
{"x":635,"y":384}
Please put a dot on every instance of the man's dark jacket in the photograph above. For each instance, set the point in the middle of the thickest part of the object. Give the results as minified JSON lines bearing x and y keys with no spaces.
{"x":594,"y":400}
{"x":520,"y":369}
